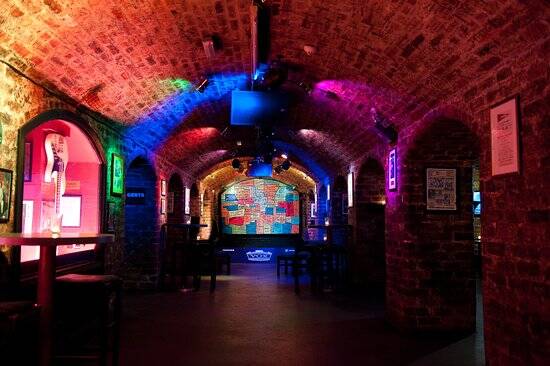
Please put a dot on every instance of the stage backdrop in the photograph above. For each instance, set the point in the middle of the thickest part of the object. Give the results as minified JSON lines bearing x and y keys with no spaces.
{"x":260,"y":206}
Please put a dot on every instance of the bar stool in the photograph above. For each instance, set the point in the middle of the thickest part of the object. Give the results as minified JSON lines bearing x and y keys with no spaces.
{"x":18,"y":332}
{"x":88,"y":312}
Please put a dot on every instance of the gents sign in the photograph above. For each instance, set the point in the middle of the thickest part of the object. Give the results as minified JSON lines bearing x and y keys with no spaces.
{"x":135,"y":196}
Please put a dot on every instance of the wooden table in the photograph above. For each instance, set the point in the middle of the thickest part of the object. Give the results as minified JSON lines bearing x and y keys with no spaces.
{"x":46,"y":275}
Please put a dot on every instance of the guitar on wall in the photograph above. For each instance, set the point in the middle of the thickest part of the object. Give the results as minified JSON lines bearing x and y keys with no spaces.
{"x":57,"y":155}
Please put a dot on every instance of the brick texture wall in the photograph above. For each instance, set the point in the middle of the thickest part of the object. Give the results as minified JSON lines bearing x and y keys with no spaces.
{"x":21,"y":100}
{"x":430,"y":263}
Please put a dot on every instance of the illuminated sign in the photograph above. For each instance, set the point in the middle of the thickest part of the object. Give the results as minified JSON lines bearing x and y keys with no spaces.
{"x":259,"y":256}
{"x":135,"y":196}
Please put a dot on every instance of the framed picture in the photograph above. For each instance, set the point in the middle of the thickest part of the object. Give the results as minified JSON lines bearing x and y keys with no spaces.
{"x":117,"y":175}
{"x":163,"y":206}
{"x":6,"y":177}
{"x":110,"y":217}
{"x":505,"y":137}
{"x":27,"y":167}
{"x":187,"y":207}
{"x":392,"y":170}
{"x":441,"y":189}
{"x":170,"y":202}
{"x":71,"y":207}
{"x":163,"y":187}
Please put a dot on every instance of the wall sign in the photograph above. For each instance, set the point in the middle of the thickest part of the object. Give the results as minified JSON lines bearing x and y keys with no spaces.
{"x":504,"y":137}
{"x":5,"y":194}
{"x":135,"y":196}
{"x":392,"y":170}
{"x":117,"y":175}
{"x":163,"y":187}
{"x":350,"y":189}
{"x":441,"y":189}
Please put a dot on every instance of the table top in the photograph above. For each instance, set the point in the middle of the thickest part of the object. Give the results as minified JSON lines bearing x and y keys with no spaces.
{"x":49,"y":239}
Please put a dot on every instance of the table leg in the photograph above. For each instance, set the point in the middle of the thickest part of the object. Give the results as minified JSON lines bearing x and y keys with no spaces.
{"x":46,"y":278}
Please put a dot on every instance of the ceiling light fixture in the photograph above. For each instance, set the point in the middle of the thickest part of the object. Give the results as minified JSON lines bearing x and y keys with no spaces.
{"x":202,"y":86}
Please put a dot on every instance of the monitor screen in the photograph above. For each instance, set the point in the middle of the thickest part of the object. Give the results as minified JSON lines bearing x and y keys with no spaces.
{"x":477,"y":203}
{"x":260,"y":206}
{"x":252,"y":108}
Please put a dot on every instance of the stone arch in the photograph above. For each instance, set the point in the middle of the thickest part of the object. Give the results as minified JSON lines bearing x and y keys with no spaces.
{"x":141,"y":225}
{"x":430,"y":273}
{"x":367,"y":259}
{"x":86,"y":166}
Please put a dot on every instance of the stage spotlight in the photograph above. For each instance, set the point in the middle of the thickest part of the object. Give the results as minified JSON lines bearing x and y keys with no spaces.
{"x":284,"y":156}
{"x":236,"y":163}
{"x":286,"y":164}
{"x":204,"y":83}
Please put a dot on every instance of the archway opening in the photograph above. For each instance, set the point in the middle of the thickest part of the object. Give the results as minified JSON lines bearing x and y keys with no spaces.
{"x":432,"y":263}
{"x":141,"y":222}
{"x":62,"y":186}
{"x":368,"y":258}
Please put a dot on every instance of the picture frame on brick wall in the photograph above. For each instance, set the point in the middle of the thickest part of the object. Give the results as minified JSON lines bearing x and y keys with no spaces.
{"x":392,"y":170}
{"x":163,"y":206}
{"x":504,"y":118}
{"x":441,"y":188}
{"x":6,"y":178}
{"x":163,"y":187}
{"x":117,"y":175}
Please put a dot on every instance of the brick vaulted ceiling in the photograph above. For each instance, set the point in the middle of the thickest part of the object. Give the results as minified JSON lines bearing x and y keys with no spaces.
{"x":142,"y":57}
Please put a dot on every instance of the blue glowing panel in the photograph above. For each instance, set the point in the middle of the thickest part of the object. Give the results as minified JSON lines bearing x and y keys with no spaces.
{"x":260,"y":170}
{"x":251,"y":108}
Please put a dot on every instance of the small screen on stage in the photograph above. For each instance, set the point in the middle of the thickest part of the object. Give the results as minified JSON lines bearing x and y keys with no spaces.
{"x":260,"y":206}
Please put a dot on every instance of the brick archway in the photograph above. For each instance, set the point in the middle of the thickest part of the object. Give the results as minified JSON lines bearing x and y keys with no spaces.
{"x":430,"y":275}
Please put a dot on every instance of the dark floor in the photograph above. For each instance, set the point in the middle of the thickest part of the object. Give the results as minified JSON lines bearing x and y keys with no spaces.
{"x":255,"y":319}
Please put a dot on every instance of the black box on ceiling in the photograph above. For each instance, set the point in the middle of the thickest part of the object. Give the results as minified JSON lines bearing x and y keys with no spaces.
{"x":256,"y":108}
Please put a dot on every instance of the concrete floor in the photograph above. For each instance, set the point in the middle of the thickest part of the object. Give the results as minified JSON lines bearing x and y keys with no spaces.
{"x":255,"y":319}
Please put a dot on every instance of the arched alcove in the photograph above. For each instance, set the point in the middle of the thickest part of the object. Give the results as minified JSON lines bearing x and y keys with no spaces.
{"x":430,"y":276}
{"x":141,"y":222}
{"x":175,"y":199}
{"x":367,"y":259}
{"x":61,"y":166}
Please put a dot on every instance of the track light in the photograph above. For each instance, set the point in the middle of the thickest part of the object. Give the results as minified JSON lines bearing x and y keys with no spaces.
{"x":236,"y":164}
{"x":204,"y":83}
{"x":286,"y":164}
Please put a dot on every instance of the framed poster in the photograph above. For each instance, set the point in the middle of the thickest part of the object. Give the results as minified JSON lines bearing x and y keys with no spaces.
{"x":170,"y":202}
{"x":5,"y":194}
{"x":163,"y":187}
{"x":163,"y":206}
{"x":27,"y":166}
{"x":441,"y":189}
{"x":187,"y":207}
{"x":110,"y":217}
{"x":71,"y":208}
{"x":505,"y":137}
{"x":117,"y":175}
{"x":392,"y":170}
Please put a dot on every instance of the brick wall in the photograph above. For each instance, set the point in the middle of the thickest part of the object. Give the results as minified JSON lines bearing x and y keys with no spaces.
{"x":430,"y":284}
{"x":21,"y":100}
